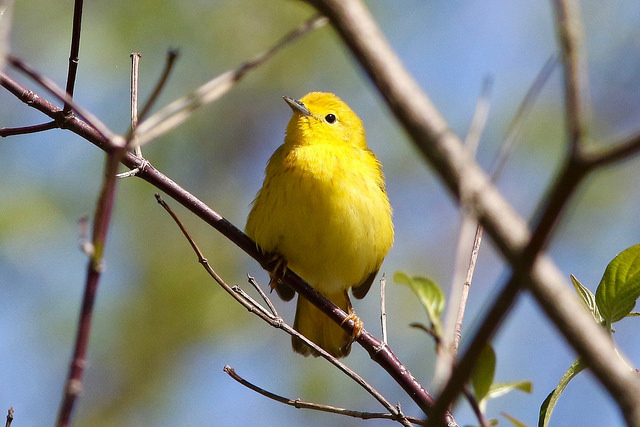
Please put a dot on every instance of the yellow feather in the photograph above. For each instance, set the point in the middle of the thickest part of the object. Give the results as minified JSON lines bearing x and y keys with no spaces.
{"x":324,"y":209}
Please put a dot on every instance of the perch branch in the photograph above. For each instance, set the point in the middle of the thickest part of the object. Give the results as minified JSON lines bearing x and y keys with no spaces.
{"x":252,"y":306}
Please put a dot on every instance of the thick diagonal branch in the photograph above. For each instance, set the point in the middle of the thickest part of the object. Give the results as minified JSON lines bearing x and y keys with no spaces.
{"x":471,"y":186}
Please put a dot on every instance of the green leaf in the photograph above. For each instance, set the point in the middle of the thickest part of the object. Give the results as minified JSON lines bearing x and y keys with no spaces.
{"x":514,"y":421}
{"x":550,"y":402}
{"x":500,"y":389}
{"x":587,"y":298}
{"x":430,"y":295}
{"x":482,"y":376}
{"x":620,"y":286}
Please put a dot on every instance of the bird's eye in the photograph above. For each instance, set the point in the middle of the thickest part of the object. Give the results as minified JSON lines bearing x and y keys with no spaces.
{"x":330,"y":118}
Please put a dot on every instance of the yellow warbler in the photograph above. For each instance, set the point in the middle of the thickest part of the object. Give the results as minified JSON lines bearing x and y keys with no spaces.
{"x":324,"y":212}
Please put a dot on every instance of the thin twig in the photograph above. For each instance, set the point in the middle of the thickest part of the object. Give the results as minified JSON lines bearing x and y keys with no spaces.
{"x":73,"y":54}
{"x":50,"y":86}
{"x":264,"y":314}
{"x":9,"y":417}
{"x":101,"y":221}
{"x":255,"y":305}
{"x":480,"y":116}
{"x":519,"y":118}
{"x":258,"y":288}
{"x":181,"y":109}
{"x":476,"y":407}
{"x":135,"y":84}
{"x":512,"y":137}
{"x":130,"y":136}
{"x":621,"y":150}
{"x":172,"y":55}
{"x":383,"y":308}
{"x":448,"y":348}
{"x":568,"y":25}
{"x":5,"y":131}
{"x":297,"y":403}
{"x":477,"y":239}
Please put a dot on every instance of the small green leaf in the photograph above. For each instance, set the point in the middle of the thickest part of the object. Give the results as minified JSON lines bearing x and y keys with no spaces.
{"x":514,"y":421}
{"x":500,"y":389}
{"x":550,"y":402}
{"x":620,"y":286}
{"x":430,"y":295}
{"x":587,"y":298}
{"x":482,"y":376}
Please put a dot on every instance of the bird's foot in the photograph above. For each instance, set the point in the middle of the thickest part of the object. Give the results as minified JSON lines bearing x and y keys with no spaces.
{"x":358,"y":325}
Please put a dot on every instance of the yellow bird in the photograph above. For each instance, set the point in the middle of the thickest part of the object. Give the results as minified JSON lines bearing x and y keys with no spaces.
{"x":324,"y":212}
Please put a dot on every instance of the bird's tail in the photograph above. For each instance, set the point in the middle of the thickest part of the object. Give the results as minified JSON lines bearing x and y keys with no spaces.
{"x":315,"y":325}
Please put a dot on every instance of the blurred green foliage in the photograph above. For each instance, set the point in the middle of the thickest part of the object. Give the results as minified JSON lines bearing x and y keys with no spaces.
{"x":162,"y":329}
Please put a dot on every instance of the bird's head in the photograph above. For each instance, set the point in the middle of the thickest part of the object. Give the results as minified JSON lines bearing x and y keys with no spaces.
{"x":323,"y":118}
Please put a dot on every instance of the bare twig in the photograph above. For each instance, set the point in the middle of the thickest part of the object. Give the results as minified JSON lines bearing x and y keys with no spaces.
{"x":619,"y":151}
{"x":172,"y":55}
{"x":5,"y":131}
{"x":179,"y":110}
{"x":512,"y":137}
{"x":256,"y":286}
{"x":59,"y":116}
{"x":570,"y":37}
{"x":135,"y":84}
{"x":518,"y":120}
{"x":73,"y":55}
{"x":275,"y":321}
{"x":476,"y":407}
{"x":71,"y":78}
{"x":297,"y":403}
{"x":9,"y":417}
{"x":480,"y":116}
{"x":101,"y":221}
{"x":448,"y":348}
{"x":135,"y":72}
{"x":383,"y":308}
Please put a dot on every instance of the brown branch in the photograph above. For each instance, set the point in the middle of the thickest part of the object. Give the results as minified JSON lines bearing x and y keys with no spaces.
{"x":297,"y":403}
{"x":102,"y":217}
{"x":619,"y":151}
{"x":569,"y":30}
{"x":73,"y":55}
{"x":60,"y":117}
{"x":476,"y":407}
{"x":5,"y":131}
{"x":9,"y":417}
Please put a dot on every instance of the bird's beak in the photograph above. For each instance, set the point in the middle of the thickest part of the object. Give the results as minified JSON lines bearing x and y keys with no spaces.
{"x":297,"y":106}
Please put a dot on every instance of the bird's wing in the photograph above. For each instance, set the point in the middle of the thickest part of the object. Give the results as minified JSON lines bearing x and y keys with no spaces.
{"x":361,"y":290}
